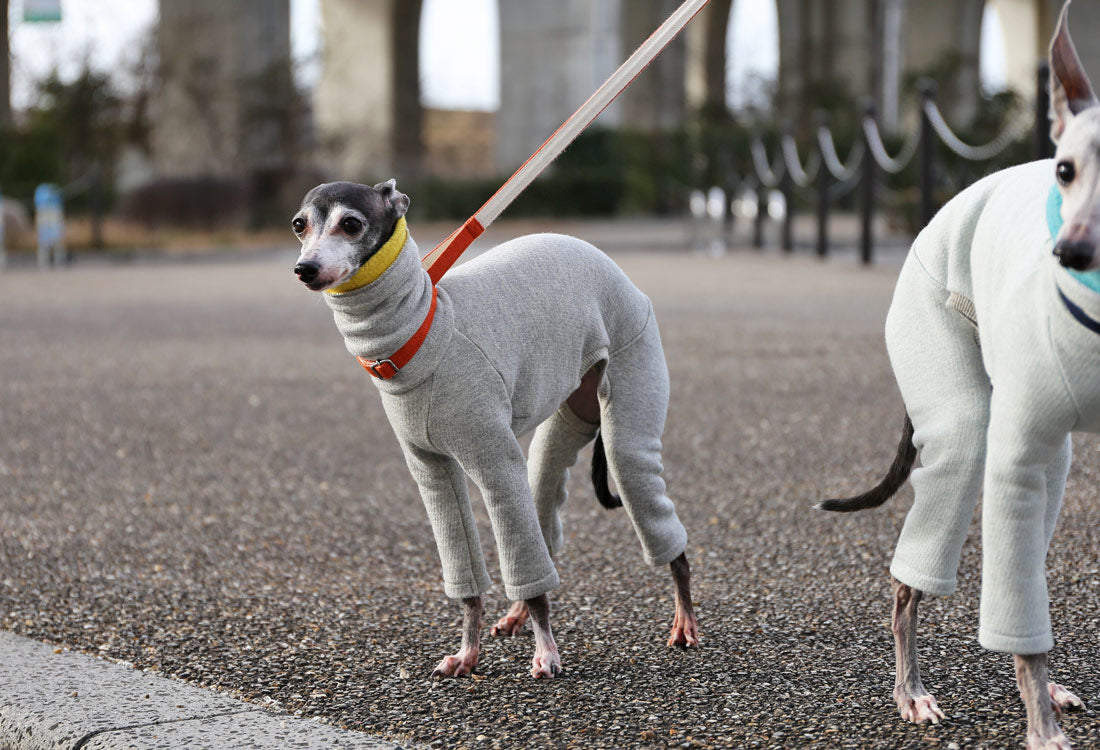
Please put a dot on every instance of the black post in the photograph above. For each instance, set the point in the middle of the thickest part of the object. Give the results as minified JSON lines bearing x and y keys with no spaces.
{"x":96,"y":200}
{"x":1044,"y":148}
{"x":867,"y":209}
{"x":761,"y":215}
{"x":927,"y":153}
{"x":786,"y":186}
{"x":822,"y":195}
{"x":729,"y":186}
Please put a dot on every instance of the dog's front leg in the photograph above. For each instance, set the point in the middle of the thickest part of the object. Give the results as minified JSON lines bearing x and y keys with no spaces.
{"x":685,"y":626}
{"x":546,"y":662}
{"x":914,"y":702}
{"x":1043,"y":732}
{"x":463,"y":663}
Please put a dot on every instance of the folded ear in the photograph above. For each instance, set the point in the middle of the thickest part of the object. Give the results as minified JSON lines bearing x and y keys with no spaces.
{"x":398,"y":201}
{"x":1070,"y":90}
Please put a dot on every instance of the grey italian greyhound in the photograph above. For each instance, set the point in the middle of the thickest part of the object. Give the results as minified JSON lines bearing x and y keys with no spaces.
{"x":543,"y":333}
{"x":994,"y":337}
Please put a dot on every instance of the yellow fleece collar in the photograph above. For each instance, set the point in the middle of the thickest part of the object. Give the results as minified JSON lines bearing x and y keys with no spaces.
{"x":377,"y":264}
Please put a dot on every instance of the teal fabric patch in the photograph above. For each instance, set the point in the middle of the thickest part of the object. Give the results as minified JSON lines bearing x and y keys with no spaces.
{"x":1090,"y":279}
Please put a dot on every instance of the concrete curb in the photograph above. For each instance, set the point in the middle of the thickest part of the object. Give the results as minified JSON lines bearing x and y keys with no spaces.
{"x":52,"y":699}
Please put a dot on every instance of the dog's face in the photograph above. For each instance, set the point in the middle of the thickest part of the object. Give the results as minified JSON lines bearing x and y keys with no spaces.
{"x":1075,"y":128}
{"x":341,"y":225}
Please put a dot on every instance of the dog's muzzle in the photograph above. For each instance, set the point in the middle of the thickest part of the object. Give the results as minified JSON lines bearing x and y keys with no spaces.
{"x":1075,"y":254}
{"x":307,"y":271}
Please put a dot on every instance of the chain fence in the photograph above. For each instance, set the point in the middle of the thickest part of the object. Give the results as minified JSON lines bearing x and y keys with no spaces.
{"x":820,"y":178}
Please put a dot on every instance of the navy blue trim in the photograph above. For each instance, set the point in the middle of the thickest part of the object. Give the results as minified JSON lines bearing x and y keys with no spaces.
{"x":1082,"y":317}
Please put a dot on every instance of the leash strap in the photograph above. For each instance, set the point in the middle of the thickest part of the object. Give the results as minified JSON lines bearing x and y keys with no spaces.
{"x":439,"y":260}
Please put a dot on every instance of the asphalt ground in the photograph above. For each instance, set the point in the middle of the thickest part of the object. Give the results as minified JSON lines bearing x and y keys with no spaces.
{"x":195,"y":478}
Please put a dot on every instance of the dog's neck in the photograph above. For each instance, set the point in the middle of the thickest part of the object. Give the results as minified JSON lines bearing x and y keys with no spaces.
{"x":384,"y":304}
{"x":377,"y":263}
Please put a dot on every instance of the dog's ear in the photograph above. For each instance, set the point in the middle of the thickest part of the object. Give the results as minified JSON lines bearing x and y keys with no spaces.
{"x":393,"y":198}
{"x":1070,"y":90}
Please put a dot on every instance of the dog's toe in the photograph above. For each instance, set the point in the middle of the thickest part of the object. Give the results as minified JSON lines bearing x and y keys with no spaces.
{"x":1063,"y":699}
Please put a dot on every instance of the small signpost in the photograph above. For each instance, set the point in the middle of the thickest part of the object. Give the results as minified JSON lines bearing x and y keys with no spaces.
{"x":49,"y":220}
{"x":41,"y":11}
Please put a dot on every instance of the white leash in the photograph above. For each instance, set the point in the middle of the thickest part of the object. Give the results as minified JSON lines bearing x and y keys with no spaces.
{"x":439,"y":260}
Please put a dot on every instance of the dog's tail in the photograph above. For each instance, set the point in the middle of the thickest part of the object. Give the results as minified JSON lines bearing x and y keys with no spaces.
{"x":599,"y":477}
{"x":884,"y":490}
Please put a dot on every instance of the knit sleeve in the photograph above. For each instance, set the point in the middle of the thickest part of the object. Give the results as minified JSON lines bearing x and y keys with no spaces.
{"x":1031,"y":414}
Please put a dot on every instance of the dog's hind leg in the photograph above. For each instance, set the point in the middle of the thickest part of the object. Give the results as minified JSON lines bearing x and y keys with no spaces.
{"x":633,"y":405}
{"x":553,"y":452}
{"x":1043,"y":732}
{"x":546,"y":661}
{"x":914,"y":702}
{"x":463,"y":663}
{"x":685,"y":627}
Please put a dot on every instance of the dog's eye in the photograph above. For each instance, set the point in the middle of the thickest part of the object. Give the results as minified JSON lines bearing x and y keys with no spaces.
{"x":351,"y":225}
{"x":298,"y":225}
{"x":1065,"y":172}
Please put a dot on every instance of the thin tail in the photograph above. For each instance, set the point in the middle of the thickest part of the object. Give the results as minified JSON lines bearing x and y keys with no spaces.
{"x":599,"y":477}
{"x":884,"y":490}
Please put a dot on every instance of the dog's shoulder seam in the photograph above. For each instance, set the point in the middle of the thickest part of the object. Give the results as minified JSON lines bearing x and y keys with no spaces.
{"x":649,"y":320}
{"x":484,"y":356}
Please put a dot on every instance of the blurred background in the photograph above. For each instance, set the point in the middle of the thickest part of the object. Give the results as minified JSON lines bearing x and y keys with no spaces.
{"x":202,"y":122}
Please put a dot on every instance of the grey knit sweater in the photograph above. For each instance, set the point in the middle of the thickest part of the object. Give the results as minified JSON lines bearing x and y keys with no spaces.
{"x":1010,"y":404}
{"x":513,"y":332}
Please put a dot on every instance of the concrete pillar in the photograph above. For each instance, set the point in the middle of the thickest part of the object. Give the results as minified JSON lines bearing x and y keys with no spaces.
{"x":705,"y":64}
{"x":940,"y":34}
{"x":352,"y":104}
{"x":553,"y":56}
{"x":656,"y":99}
{"x":225,"y":104}
{"x":826,"y":47}
{"x":1084,"y":21}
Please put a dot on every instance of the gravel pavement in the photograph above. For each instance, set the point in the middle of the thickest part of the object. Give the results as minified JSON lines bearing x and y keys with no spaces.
{"x":195,"y":478}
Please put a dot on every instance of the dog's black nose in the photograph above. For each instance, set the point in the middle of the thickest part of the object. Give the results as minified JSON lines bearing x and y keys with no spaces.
{"x":307,"y":270}
{"x":1075,"y":254}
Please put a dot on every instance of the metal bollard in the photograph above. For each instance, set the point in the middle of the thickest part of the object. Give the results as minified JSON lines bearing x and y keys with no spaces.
{"x":867,"y":204}
{"x":822,"y":199}
{"x":3,"y":244}
{"x":1044,"y":147}
{"x":927,"y":154}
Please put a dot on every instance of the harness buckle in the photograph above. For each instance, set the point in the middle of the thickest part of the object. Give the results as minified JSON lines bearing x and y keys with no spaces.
{"x":383,"y":369}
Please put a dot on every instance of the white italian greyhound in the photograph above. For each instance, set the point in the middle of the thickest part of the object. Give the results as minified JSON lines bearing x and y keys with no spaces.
{"x":994,"y":337}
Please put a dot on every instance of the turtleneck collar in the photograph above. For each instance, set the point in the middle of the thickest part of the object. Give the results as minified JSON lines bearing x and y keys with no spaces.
{"x":378,"y":316}
{"x":376,"y":264}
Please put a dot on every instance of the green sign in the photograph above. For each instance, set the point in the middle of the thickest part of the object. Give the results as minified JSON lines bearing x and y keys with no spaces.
{"x":41,"y":11}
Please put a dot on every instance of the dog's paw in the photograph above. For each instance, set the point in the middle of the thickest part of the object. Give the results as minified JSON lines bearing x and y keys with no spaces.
{"x":461,"y":664}
{"x":919,"y":708}
{"x":546,"y":664}
{"x":684,"y":637}
{"x":512,"y":623}
{"x":685,"y":631}
{"x":1063,"y":699}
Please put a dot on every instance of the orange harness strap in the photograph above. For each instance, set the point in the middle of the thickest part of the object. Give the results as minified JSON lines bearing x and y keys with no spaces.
{"x":384,"y":369}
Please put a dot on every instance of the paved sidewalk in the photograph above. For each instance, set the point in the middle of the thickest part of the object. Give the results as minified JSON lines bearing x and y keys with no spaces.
{"x":53,"y":698}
